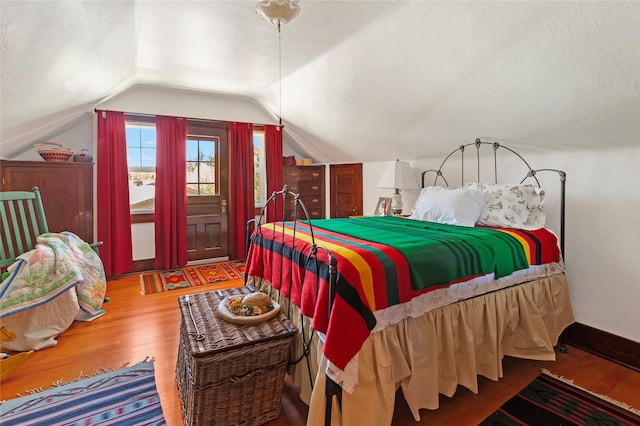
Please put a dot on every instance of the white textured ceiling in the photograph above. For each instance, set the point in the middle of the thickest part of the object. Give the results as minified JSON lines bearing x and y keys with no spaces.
{"x":362,"y":80}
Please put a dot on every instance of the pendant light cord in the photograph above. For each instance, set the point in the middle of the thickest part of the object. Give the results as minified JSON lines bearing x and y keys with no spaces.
{"x":280,"y":71}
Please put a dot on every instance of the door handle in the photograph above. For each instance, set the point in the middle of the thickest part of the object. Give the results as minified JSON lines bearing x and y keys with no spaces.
{"x":224,"y":206}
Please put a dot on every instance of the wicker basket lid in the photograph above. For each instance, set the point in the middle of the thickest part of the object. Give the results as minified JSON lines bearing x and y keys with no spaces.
{"x":209,"y":333}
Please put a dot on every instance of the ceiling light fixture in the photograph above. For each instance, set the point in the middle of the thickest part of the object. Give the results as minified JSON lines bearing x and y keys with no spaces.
{"x":278,"y":12}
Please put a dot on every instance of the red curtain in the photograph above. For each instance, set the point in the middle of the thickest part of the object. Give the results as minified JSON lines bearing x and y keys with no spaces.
{"x":171,"y":195}
{"x":241,"y":191}
{"x":273,"y":162}
{"x":114,"y":213}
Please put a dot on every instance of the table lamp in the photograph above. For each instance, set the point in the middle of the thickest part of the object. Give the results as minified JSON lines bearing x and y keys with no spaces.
{"x":398,"y":176}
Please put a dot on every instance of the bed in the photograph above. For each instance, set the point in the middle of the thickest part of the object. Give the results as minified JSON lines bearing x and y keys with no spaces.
{"x":424,"y":303}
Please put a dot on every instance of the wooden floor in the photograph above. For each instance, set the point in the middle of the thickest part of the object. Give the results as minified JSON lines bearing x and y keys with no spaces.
{"x":136,"y":327}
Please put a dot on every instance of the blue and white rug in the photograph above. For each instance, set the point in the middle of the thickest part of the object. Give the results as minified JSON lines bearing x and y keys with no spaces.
{"x":127,"y":396}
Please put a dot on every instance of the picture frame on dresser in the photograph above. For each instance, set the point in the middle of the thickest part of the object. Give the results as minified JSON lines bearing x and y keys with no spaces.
{"x":383,"y":208}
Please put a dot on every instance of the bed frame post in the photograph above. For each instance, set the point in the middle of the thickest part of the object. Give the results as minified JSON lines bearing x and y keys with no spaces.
{"x":331,"y":388}
{"x":563,"y":181}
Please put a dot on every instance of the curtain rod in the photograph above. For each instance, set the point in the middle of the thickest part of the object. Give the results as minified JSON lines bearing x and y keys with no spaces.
{"x":95,"y":110}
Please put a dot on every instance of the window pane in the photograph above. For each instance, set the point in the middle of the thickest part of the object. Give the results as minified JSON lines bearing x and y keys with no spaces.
{"x":201,"y":166}
{"x":192,"y":150}
{"x":133,"y":157}
{"x":192,"y":172}
{"x":141,"y":160}
{"x":148,"y":157}
{"x":142,"y":190}
{"x":207,"y":151}
{"x":148,"y":137}
{"x":192,"y":189}
{"x":260,"y":181}
{"x":133,"y":136}
{"x":207,"y":189}
{"x":207,"y":171}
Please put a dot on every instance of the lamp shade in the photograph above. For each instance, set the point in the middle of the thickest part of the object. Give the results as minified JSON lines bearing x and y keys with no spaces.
{"x":398,"y":175}
{"x":278,"y":11}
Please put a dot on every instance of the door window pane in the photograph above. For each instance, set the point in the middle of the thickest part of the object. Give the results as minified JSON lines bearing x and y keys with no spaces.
{"x":201,"y":166}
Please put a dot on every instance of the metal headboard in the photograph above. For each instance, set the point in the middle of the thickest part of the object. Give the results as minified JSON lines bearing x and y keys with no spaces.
{"x":531,"y":173}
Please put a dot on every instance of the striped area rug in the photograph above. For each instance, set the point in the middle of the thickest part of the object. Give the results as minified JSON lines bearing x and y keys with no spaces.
{"x":214,"y":275}
{"x":127,"y":396}
{"x":550,"y":401}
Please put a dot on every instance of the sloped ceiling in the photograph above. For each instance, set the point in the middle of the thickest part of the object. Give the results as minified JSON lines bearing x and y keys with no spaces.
{"x":361,"y":80}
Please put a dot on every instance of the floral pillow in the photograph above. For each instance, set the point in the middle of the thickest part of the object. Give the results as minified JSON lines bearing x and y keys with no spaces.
{"x":537,"y":217}
{"x":511,"y":206}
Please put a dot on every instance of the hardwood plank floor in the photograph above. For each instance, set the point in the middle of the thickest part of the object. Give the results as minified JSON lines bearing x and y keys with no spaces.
{"x":136,"y":327}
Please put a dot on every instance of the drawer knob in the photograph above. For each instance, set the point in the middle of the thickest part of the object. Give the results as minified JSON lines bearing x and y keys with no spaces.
{"x":316,"y":174}
{"x":315,"y":187}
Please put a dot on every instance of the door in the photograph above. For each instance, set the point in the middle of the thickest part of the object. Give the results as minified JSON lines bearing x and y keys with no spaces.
{"x":345,"y":190}
{"x":207,"y":191}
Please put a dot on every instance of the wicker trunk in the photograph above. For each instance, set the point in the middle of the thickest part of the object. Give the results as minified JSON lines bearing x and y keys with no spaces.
{"x":230,"y":374}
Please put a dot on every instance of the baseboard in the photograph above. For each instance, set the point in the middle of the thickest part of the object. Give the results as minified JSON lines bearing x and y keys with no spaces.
{"x":143,"y":265}
{"x":603,"y":344}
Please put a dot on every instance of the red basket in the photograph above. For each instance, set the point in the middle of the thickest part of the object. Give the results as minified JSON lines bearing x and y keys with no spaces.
{"x":62,"y":153}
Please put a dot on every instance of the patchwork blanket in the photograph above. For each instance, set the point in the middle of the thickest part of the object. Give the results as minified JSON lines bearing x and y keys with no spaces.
{"x":383,"y":261}
{"x":60,"y":280}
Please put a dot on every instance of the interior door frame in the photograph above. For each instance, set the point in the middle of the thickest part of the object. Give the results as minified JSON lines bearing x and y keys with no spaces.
{"x":209,"y":213}
{"x":357,"y":209}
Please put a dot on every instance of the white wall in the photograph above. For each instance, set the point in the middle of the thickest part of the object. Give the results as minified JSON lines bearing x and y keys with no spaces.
{"x":77,"y":137}
{"x":602,"y":241}
{"x":603,"y":237}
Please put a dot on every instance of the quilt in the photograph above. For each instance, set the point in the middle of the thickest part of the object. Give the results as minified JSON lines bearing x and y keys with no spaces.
{"x":383,"y":261}
{"x":62,"y":279}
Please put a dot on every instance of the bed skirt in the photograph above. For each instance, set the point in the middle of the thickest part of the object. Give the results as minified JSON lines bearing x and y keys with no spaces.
{"x":434,"y":353}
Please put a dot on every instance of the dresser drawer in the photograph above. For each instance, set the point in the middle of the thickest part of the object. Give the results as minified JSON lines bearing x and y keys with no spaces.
{"x":314,"y":213}
{"x":309,"y":201}
{"x":305,"y":188}
{"x":300,"y":174}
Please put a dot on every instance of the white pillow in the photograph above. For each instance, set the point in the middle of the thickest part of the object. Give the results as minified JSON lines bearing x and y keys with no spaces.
{"x":460,"y":206}
{"x":511,"y":205}
{"x":421,"y":195}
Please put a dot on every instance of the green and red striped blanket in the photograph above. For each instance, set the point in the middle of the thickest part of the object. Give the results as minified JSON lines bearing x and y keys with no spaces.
{"x":383,"y":261}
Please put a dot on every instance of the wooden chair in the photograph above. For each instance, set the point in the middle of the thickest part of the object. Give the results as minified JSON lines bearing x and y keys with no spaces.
{"x":23,"y":220}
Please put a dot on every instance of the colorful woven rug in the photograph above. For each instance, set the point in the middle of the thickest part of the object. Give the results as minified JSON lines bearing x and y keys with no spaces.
{"x":552,"y":401}
{"x":208,"y":274}
{"x":127,"y":396}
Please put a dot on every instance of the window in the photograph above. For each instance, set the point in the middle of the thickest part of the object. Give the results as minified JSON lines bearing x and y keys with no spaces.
{"x":202,"y":156}
{"x":201,"y":166}
{"x":260,"y":176}
{"x":141,"y":161}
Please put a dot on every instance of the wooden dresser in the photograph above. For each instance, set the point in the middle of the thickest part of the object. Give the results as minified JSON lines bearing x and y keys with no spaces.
{"x":308,"y":181}
{"x":66,"y":189}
